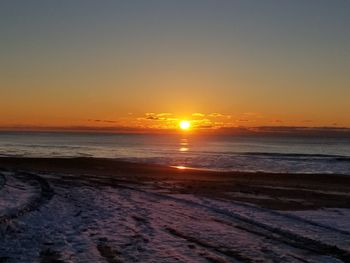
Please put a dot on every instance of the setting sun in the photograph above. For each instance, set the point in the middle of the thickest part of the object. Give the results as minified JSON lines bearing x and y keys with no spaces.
{"x":185,"y":125}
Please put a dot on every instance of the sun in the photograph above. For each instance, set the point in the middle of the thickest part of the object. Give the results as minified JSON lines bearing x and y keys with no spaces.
{"x":185,"y":125}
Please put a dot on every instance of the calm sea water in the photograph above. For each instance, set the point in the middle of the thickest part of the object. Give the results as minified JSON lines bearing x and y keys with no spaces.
{"x":259,"y":153}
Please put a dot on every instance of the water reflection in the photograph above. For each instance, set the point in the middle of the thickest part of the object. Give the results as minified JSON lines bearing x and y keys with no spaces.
{"x":183,"y":148}
{"x":184,"y":145}
{"x":180,"y":167}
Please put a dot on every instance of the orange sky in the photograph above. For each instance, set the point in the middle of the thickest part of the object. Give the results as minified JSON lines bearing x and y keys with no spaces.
{"x":149,"y":65}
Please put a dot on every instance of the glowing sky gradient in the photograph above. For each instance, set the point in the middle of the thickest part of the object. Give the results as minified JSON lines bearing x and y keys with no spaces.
{"x":218,"y":63}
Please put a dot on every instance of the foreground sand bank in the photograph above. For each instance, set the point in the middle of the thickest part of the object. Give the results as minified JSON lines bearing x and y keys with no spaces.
{"x":100,"y":210}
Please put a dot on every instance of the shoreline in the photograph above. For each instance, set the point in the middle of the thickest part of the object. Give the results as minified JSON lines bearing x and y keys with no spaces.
{"x":134,"y":160}
{"x":14,"y":161}
{"x":281,"y":191}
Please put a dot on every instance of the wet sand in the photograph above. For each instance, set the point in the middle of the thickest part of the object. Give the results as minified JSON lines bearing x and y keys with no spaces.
{"x":103,"y":210}
{"x":305,"y":191}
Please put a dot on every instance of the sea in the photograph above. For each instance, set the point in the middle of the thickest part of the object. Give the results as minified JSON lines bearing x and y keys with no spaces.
{"x":258,"y":153}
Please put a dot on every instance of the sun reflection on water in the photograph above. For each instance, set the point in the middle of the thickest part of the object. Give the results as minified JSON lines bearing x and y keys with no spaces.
{"x":184,"y":145}
{"x":180,"y":167}
{"x":183,"y":148}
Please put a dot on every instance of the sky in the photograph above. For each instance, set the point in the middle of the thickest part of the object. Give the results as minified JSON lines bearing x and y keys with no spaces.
{"x":151,"y":63}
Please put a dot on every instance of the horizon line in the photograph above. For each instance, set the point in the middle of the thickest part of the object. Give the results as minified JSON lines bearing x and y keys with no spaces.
{"x":302,"y":130}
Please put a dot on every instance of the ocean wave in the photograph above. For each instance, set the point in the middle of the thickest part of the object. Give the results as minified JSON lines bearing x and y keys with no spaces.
{"x":238,"y":154}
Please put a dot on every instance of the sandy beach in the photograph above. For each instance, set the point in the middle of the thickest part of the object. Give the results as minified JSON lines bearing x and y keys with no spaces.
{"x":103,"y":210}
{"x":175,"y":131}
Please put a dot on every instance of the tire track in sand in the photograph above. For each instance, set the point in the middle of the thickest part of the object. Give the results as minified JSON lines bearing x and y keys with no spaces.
{"x":43,"y":193}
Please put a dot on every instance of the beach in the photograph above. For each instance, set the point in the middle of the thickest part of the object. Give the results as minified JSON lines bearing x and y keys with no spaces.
{"x":175,"y":131}
{"x":107,"y":210}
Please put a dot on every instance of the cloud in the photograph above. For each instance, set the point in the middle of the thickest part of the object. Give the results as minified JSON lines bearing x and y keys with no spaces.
{"x":205,"y":126}
{"x":215,"y":115}
{"x":151,"y":117}
{"x":163,"y":116}
{"x":197,"y":114}
{"x":102,"y":121}
{"x":167,"y":120}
